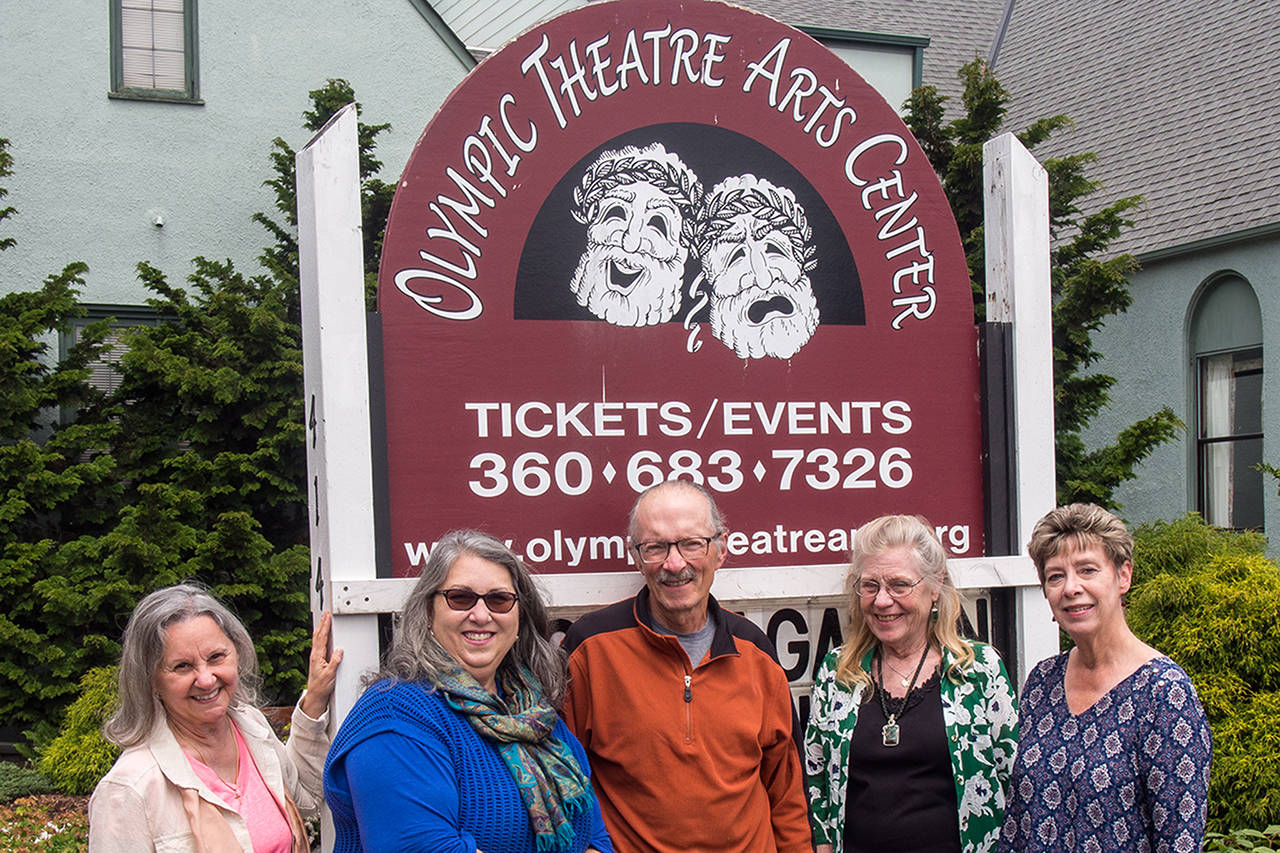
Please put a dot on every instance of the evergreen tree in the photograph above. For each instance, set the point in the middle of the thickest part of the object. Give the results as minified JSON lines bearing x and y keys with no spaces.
{"x":57,"y":488}
{"x":1088,"y":286}
{"x":375,"y":195}
{"x":193,"y":468}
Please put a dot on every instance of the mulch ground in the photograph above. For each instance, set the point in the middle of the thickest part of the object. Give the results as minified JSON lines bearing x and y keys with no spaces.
{"x":55,"y":807}
{"x":58,"y":808}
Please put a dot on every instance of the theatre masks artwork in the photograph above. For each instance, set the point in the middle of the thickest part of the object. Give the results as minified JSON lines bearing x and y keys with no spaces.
{"x":756,"y":252}
{"x":639,"y":207}
{"x":646,"y":214}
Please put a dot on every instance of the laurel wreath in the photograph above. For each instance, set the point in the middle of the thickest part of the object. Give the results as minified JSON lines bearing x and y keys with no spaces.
{"x":607,"y":174}
{"x":782,"y":212}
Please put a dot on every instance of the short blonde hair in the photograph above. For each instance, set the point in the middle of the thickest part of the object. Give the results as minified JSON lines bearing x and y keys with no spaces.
{"x":1077,"y":526}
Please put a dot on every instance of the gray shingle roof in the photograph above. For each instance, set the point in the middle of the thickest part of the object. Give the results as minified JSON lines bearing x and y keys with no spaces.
{"x":1177,"y":98}
{"x":958,"y":30}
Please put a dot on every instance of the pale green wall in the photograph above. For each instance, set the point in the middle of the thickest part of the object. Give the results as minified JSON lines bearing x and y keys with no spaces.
{"x":91,"y":173}
{"x":1147,"y":348}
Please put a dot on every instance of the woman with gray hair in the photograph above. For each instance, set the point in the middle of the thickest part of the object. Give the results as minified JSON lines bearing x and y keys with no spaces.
{"x":913,"y":729}
{"x":455,"y":745}
{"x":202,"y":769}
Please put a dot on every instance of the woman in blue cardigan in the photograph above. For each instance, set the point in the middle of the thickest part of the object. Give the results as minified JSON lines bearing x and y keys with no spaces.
{"x":456,"y":746}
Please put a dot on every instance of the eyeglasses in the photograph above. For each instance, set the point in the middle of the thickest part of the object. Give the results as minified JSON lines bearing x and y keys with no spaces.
{"x":896,"y":587}
{"x":465,"y":599}
{"x":690,"y":547}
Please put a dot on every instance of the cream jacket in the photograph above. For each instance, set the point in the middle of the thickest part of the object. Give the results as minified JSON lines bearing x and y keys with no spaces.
{"x":151,"y":801}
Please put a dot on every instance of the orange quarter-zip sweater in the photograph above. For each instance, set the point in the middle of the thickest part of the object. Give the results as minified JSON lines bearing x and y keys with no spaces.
{"x":686,"y":758}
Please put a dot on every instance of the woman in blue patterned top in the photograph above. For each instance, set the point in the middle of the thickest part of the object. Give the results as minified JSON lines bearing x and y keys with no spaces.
{"x":1115,"y":748}
{"x":456,"y":746}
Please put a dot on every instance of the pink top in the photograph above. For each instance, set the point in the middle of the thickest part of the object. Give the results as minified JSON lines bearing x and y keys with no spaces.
{"x":251,"y":799}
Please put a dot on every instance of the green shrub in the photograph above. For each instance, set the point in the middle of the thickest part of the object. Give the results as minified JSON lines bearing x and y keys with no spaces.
{"x":79,"y":756}
{"x":1180,"y":546}
{"x":1218,"y":619}
{"x":1210,"y":600}
{"x":19,"y":781}
{"x":193,"y":467}
{"x":1240,"y":840}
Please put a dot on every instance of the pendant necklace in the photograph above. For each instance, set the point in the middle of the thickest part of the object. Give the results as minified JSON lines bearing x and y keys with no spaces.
{"x":903,"y":679}
{"x":889,"y":734}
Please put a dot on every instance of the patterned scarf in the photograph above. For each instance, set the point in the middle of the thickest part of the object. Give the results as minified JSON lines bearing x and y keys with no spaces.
{"x":551,"y":783}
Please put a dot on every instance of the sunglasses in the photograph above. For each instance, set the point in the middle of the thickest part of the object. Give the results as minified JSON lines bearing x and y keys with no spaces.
{"x":465,"y":599}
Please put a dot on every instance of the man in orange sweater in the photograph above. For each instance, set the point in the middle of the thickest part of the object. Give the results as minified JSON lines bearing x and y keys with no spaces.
{"x":682,"y":706}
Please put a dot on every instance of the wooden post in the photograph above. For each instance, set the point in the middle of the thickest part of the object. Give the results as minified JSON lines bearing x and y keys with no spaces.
{"x":335,"y":362}
{"x":1018,"y":292}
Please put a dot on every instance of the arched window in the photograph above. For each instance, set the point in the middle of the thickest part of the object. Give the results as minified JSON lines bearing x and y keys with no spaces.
{"x":1226,"y":341}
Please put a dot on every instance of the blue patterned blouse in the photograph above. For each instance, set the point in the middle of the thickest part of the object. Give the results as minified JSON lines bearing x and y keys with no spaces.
{"x":1130,"y":773}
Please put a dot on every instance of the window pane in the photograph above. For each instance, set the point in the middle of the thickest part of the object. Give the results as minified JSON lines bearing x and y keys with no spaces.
{"x":153,"y":38}
{"x":135,"y":29}
{"x":139,"y":70}
{"x":1233,"y":487}
{"x":1246,"y":490}
{"x":170,"y":70}
{"x":168,"y":31}
{"x":1231,"y":408}
{"x":1215,"y":396}
{"x":1248,"y":395}
{"x":1231,"y":394}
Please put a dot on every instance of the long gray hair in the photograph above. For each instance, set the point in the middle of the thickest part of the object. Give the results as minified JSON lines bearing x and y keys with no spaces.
{"x":415,"y":653}
{"x":142,"y":649}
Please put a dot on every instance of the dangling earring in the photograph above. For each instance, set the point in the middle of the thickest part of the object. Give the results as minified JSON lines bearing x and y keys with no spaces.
{"x":933,"y":614}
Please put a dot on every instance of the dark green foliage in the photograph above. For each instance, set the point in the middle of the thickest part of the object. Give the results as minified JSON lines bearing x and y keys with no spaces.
{"x":211,"y":416}
{"x":194,"y":468}
{"x":79,"y":756}
{"x":57,"y":486}
{"x":1210,"y":600}
{"x":1242,"y":840}
{"x":19,"y":781}
{"x":1088,"y":287}
{"x":375,"y":195}
{"x":6,"y":169}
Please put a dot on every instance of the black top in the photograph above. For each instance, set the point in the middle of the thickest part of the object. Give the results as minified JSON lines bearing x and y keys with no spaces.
{"x":902,"y":799}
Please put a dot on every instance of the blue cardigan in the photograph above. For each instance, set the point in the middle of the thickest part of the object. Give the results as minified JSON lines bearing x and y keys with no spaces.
{"x":407,"y":772}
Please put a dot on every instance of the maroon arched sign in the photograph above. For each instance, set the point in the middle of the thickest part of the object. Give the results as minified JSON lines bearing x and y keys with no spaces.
{"x":652,"y":239}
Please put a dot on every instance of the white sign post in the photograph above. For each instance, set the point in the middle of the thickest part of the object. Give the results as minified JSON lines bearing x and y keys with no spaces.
{"x":1017,"y":254}
{"x":335,"y":362}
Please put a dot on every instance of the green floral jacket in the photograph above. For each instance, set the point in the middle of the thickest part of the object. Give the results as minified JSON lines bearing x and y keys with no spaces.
{"x":981,"y":718}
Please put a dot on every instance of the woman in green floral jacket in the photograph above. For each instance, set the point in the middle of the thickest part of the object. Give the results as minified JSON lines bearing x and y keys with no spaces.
{"x":913,"y":730}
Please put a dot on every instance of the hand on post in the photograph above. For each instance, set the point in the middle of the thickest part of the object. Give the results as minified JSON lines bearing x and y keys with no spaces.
{"x":322,"y":670}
